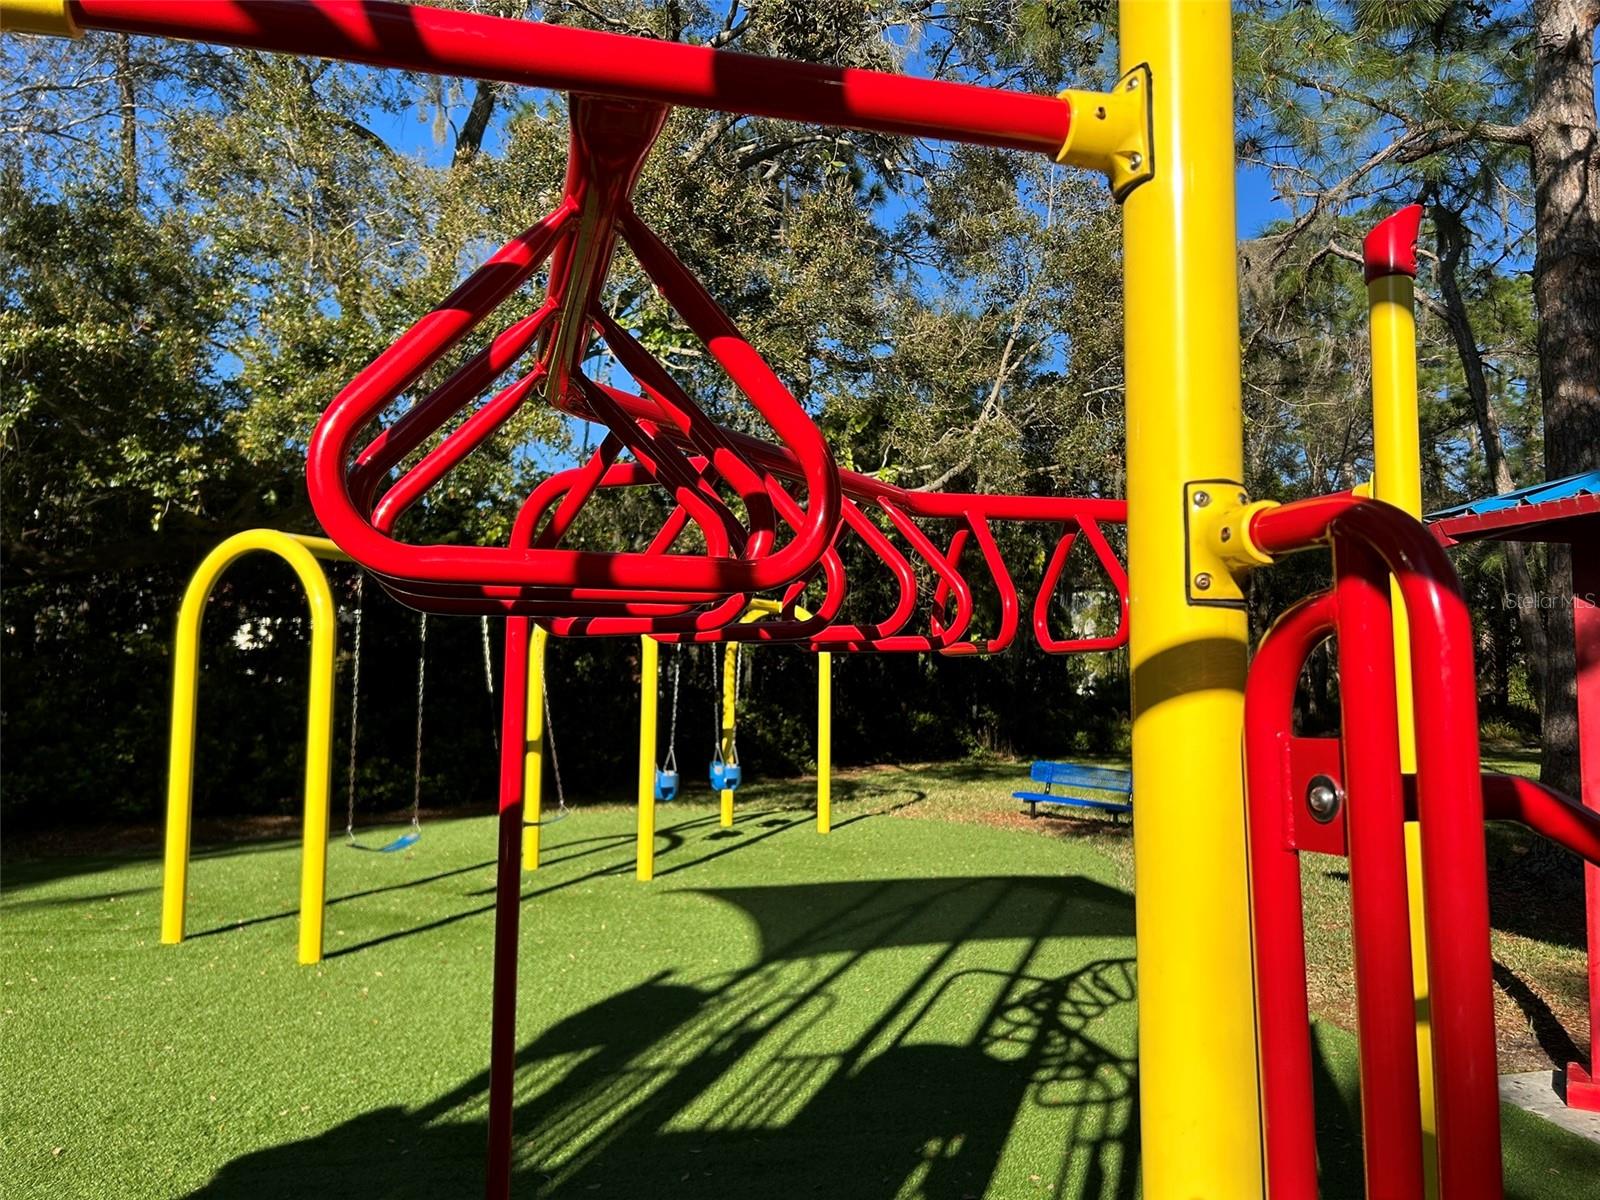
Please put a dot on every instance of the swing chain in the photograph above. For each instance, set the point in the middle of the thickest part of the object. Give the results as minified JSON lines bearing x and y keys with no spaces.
{"x":355,"y":714}
{"x":488,"y":684}
{"x":671,"y":763}
{"x":717,"y":698}
{"x":550,"y":741}
{"x":416,"y":770}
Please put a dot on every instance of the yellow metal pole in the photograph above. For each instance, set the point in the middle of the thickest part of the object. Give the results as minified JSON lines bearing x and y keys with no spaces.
{"x":649,"y":667}
{"x":824,"y":742}
{"x":533,"y":751}
{"x":1197,"y":1060}
{"x":301,"y":553}
{"x":730,"y":685}
{"x":1397,"y":479}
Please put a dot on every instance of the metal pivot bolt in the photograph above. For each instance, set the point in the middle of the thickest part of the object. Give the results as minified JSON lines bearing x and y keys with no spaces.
{"x":1202,"y":581}
{"x":1201,"y":499}
{"x":1324,"y":798}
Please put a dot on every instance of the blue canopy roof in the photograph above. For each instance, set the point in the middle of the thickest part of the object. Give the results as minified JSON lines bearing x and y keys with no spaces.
{"x":1587,"y":484}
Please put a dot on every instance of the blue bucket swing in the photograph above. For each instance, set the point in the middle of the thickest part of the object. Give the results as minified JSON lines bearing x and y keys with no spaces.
{"x":667,"y":778}
{"x":726,"y":774}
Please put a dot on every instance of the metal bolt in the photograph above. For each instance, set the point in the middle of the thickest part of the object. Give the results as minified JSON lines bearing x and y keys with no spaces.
{"x":1226,"y":534}
{"x":1201,"y":499}
{"x":1244,"y":498}
{"x":1133,"y":83}
{"x":1202,"y":581}
{"x":1324,"y":799}
{"x":1135,"y":160}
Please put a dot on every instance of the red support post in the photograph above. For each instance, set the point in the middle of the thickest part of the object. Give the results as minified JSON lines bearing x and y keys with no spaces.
{"x":1391,"y":1120}
{"x":507,"y":910}
{"x":1583,"y":1086}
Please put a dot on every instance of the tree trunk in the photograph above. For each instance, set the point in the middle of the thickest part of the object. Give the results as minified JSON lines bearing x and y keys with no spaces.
{"x":1566,"y":287}
{"x":1452,"y":245}
{"x":470,"y":141}
{"x":130,"y":122}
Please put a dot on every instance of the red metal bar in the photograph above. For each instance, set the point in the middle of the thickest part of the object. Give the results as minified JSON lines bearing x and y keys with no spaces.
{"x":1451,"y":810}
{"x":1110,"y":565}
{"x":507,"y":911}
{"x":1283,"y":1018}
{"x":1391,"y":1112}
{"x":1583,"y":1086}
{"x":533,"y":54}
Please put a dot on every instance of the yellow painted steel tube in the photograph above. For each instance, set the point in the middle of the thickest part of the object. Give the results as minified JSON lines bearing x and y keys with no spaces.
{"x":1397,"y":479}
{"x":301,"y":553}
{"x":533,"y":751}
{"x":730,"y":706}
{"x":1199,"y":1098}
{"x":645,"y":847}
{"x":824,"y":742}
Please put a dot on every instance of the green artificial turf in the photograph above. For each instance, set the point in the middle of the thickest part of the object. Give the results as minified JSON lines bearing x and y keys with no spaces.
{"x":903,"y":1008}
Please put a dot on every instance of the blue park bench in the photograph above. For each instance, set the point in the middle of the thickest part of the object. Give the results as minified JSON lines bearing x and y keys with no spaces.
{"x":1106,"y":780}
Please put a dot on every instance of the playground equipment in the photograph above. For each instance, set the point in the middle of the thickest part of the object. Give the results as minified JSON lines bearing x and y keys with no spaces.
{"x":724,"y":773}
{"x":301,"y":553}
{"x":1565,"y":510}
{"x":667,"y":777}
{"x":1163,"y":138}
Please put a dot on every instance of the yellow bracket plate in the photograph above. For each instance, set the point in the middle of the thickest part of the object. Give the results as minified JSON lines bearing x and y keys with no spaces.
{"x":1210,"y":577}
{"x":1110,"y":132}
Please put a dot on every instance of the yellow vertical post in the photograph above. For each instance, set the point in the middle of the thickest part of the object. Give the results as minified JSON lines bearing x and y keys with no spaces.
{"x":301,"y":553}
{"x":730,"y":702}
{"x":649,"y":668}
{"x":1389,"y":266}
{"x":824,"y":742}
{"x":1197,"y":1076}
{"x":533,"y":751}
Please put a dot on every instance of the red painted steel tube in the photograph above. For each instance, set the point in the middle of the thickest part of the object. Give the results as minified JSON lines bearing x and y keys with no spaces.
{"x":1391,"y":1121}
{"x":533,"y":54}
{"x":1552,"y":815}
{"x":399,"y":366}
{"x":507,"y":911}
{"x":1451,"y":810}
{"x":1283,"y":1018}
{"x":1115,"y":575}
{"x":1583,"y":1087}
{"x":761,"y":385}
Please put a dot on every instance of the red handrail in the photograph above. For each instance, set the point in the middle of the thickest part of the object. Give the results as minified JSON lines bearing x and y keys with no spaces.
{"x":1371,"y":540}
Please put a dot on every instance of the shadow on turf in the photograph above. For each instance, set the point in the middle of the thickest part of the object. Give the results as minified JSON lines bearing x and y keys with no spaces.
{"x":671,"y":844}
{"x":740,"y":1085}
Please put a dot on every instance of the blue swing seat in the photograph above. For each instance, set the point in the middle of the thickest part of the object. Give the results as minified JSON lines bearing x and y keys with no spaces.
{"x":666,"y":785}
{"x":409,"y":838}
{"x":726,"y":777}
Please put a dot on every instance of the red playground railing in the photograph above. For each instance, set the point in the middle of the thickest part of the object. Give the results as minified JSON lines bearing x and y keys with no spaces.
{"x":1348,"y":796}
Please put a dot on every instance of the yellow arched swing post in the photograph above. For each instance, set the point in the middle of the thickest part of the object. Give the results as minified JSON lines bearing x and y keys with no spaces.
{"x":301,"y":552}
{"x":649,"y":670}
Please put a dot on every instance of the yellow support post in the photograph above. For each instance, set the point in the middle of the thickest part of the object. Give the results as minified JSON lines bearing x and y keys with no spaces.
{"x":730,"y":704}
{"x":533,"y":751}
{"x":301,"y":553}
{"x":1390,"y":264}
{"x":645,"y":848}
{"x":824,"y":742}
{"x":38,"y":16}
{"x":1197,"y":1079}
